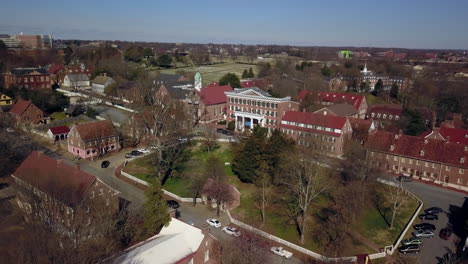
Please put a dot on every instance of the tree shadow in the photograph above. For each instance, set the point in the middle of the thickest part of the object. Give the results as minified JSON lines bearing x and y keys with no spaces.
{"x":378,"y":201}
{"x":458,"y":221}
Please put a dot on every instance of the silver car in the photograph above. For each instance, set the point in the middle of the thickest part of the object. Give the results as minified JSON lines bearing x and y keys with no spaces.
{"x":412,"y":241}
{"x":423,"y":233}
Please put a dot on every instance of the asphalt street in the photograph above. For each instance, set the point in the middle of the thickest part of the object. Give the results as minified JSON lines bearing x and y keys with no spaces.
{"x":438,"y":197}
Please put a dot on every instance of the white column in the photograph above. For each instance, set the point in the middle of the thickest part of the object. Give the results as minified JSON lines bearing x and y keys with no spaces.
{"x":243,"y":123}
{"x":251,"y":123}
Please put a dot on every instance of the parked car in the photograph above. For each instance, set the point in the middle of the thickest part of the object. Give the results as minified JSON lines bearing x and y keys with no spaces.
{"x":173,"y":204}
{"x":424,"y":226}
{"x":183,"y":140}
{"x":105,"y":164}
{"x":433,"y":210}
{"x":219,"y":130}
{"x":143,"y":150}
{"x":403,"y":178}
{"x":136,"y":153}
{"x":10,"y":130}
{"x":412,"y":241}
{"x":409,"y":249}
{"x":227,"y":132}
{"x":129,"y":155}
{"x":214,"y":222}
{"x":445,"y":233}
{"x":232,"y":231}
{"x":429,"y":217}
{"x":281,"y":252}
{"x":423,"y":233}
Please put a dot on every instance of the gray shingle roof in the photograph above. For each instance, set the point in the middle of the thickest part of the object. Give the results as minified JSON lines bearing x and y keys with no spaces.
{"x":26,"y":71}
{"x":77,"y":77}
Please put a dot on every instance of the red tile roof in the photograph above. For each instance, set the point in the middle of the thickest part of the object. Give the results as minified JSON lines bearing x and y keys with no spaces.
{"x":59,"y":130}
{"x":454,"y":135}
{"x":336,"y":98}
{"x":54,"y":68}
{"x":334,"y":122}
{"x":61,"y":181}
{"x":260,"y":83}
{"x":20,"y":107}
{"x":388,"y":109}
{"x":95,"y":130}
{"x":419,"y":148}
{"x":214,"y":94}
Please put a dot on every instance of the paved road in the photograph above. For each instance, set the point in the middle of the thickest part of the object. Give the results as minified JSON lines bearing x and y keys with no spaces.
{"x":200,"y":213}
{"x":439,"y":197}
{"x":117,"y":115}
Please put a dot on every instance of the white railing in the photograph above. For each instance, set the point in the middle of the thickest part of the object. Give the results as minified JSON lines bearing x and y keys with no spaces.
{"x":175,"y":196}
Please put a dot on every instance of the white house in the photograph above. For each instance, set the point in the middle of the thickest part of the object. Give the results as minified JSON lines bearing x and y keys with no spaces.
{"x":58,"y":133}
{"x":76,"y":80}
{"x":101,"y":82}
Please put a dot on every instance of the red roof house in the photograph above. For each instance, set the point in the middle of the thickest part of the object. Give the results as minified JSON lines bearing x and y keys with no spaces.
{"x":212,"y":106}
{"x":448,"y":134}
{"x":26,"y":112}
{"x":58,"y":133}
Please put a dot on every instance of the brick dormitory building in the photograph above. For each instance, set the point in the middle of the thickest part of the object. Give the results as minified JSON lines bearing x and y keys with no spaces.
{"x":434,"y":160}
{"x":29,"y":78}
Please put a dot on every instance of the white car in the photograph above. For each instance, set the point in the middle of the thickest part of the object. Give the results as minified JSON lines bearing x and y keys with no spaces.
{"x":281,"y":252}
{"x":143,"y":150}
{"x":214,"y":222}
{"x":230,"y":230}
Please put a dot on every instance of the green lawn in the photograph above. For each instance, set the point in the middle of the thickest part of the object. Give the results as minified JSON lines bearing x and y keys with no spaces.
{"x":58,"y":116}
{"x":212,"y":73}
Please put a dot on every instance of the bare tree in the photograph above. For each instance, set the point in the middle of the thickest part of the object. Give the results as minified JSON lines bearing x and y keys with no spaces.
{"x":216,"y":187}
{"x":248,"y":248}
{"x":397,"y":199}
{"x":304,"y":182}
{"x":209,"y":137}
{"x":263,"y":181}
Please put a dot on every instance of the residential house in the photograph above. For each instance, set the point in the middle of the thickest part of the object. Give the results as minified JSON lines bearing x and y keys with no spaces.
{"x":93,"y":139}
{"x":62,"y":193}
{"x":432,"y":160}
{"x":58,"y":133}
{"x":212,"y":103}
{"x":175,"y":86}
{"x":100,"y":83}
{"x":177,"y":242}
{"x":249,"y":107}
{"x":325,"y":132}
{"x":5,"y":100}
{"x":25,"y":112}
{"x":29,"y":78}
{"x":76,"y":81}
{"x":74,"y":110}
{"x":342,"y":110}
{"x":327,"y":98}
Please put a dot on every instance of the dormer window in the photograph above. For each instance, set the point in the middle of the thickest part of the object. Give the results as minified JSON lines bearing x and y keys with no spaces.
{"x":373,"y":114}
{"x":390,"y":117}
{"x":421,"y":152}
{"x":378,"y":115}
{"x":384,"y":116}
{"x":392,"y":147}
{"x":397,"y":117}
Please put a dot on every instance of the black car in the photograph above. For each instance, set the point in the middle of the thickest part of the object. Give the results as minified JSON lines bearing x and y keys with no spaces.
{"x":105,"y":164}
{"x":424,"y":226}
{"x":429,"y":217}
{"x":220,"y":130}
{"x":173,"y":204}
{"x":136,"y":153}
{"x":409,"y":249}
{"x":227,"y":132}
{"x":403,"y":178}
{"x":433,"y":210}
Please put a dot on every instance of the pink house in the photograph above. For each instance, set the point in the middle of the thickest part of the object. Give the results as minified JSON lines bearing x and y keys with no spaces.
{"x":93,"y":139}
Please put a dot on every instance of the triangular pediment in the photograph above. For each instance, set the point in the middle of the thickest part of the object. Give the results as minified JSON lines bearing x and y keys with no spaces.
{"x":252,"y":92}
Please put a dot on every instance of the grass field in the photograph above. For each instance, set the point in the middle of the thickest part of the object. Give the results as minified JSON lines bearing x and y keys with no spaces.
{"x":212,"y":73}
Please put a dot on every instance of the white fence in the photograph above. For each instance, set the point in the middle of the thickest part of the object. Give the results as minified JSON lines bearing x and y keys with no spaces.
{"x":175,"y":196}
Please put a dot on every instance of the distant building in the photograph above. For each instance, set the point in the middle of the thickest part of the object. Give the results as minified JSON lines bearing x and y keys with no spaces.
{"x":248,"y":107}
{"x":10,"y":41}
{"x":76,"y":81}
{"x":212,"y":103}
{"x":259,"y":83}
{"x":25,"y":112}
{"x":325,"y":98}
{"x":175,"y":86}
{"x":384,"y":114}
{"x":93,"y":139}
{"x":29,"y":78}
{"x":100,"y":83}
{"x":325,"y":132}
{"x":372,"y":78}
{"x":177,"y":242}
{"x":448,"y":134}
{"x":341,"y":110}
{"x":428,"y":159}
{"x":344,"y":54}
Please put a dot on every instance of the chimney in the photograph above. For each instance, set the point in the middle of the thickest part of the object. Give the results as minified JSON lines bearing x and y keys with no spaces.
{"x":104,"y":74}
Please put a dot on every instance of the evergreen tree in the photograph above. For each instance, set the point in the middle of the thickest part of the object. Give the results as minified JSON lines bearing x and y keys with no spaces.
{"x":251,"y":73}
{"x":231,"y":79}
{"x":276,"y":145}
{"x":134,"y":53}
{"x":249,"y":155}
{"x":155,"y":210}
{"x":394,"y":91}
{"x":148,"y":52}
{"x":245,"y":74}
{"x":378,"y":88}
{"x":164,"y":60}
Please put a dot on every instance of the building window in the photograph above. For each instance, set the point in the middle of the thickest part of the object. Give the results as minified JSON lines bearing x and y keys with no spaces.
{"x":461,"y":171}
{"x":395,"y":158}
{"x":403,"y":160}
{"x":417,"y":162}
{"x":447,"y":168}
{"x":410,"y":161}
{"x":426,"y":164}
{"x":207,"y":255}
{"x":459,"y":181}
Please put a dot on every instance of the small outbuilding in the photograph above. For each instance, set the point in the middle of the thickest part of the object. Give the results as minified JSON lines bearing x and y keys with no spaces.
{"x":58,"y":133}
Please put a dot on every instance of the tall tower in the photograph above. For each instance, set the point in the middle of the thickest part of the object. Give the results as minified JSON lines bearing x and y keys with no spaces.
{"x":198,"y":81}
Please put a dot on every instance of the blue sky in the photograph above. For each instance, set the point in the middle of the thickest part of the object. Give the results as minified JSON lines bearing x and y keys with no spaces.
{"x":410,"y":23}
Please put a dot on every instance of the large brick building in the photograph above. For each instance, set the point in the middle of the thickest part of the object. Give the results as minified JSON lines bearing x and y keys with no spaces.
{"x":326,"y":98}
{"x":433,"y":160}
{"x":29,"y":78}
{"x":62,"y":193}
{"x":325,"y":132}
{"x":212,"y":103}
{"x":248,"y":107}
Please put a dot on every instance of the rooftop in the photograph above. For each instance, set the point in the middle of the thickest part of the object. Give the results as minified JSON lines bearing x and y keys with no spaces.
{"x":95,"y":130}
{"x":214,"y":94}
{"x":353,"y":99}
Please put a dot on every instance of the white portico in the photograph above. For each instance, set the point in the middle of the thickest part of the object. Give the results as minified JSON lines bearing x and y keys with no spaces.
{"x":248,"y":120}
